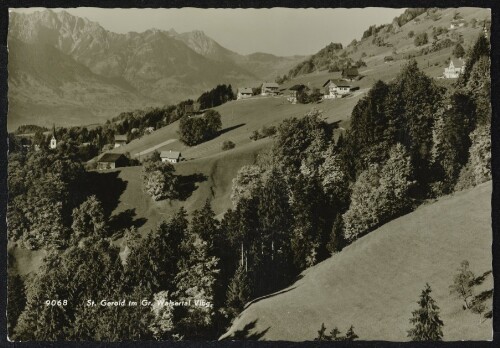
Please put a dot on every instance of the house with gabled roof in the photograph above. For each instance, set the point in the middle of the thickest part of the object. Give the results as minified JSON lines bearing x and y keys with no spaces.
{"x":294,"y":92}
{"x":170,"y":156}
{"x":244,"y":92}
{"x":120,"y":140}
{"x":337,"y":89}
{"x":270,"y":88}
{"x":111,"y":161}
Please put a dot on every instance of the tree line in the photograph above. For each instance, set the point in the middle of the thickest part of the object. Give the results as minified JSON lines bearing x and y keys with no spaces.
{"x":134,"y":124}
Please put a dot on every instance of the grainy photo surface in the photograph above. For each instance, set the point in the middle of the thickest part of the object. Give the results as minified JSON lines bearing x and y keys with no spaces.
{"x":249,"y":174}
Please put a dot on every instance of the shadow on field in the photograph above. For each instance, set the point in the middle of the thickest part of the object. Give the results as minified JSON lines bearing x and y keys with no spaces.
{"x":107,"y":187}
{"x":480,"y":279}
{"x":244,"y":334}
{"x":228,"y":129}
{"x":188,"y":184}
{"x":482,"y":301}
{"x":125,"y":219}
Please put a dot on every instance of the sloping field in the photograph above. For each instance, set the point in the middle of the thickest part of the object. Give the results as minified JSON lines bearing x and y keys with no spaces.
{"x":239,"y":119}
{"x":206,"y":178}
{"x":375,"y":282}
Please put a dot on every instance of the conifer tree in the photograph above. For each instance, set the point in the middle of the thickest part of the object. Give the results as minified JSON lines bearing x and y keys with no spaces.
{"x":458,"y":51}
{"x":481,"y":48}
{"x":275,"y":220}
{"x":205,"y":225}
{"x":427,"y":326}
{"x":239,"y":292}
{"x":321,"y":334}
{"x":350,"y":335}
{"x":335,"y":334}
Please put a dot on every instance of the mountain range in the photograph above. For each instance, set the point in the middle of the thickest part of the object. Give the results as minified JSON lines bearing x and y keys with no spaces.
{"x":69,"y":70}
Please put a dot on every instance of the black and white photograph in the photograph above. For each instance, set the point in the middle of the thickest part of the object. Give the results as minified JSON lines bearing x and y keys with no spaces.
{"x":249,"y":174}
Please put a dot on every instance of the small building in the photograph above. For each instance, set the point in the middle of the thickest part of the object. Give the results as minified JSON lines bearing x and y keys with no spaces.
{"x":270,"y":88}
{"x":170,"y":156}
{"x":294,"y":92}
{"x":120,"y":140}
{"x":149,"y":130}
{"x":337,"y":89}
{"x":455,"y":68}
{"x":111,"y":161}
{"x":350,"y":74}
{"x":244,"y":92}
{"x":53,"y":140}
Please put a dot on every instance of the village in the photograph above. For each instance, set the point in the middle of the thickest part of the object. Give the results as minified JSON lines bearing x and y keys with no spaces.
{"x":344,"y":86}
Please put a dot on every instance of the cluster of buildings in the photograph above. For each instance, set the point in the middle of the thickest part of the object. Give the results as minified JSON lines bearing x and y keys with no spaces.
{"x":115,"y":160}
{"x":331,"y":89}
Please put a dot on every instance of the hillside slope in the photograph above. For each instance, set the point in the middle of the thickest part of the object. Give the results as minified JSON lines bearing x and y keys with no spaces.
{"x":375,"y":282}
{"x":239,"y":119}
{"x":397,"y":42}
{"x":206,"y":178}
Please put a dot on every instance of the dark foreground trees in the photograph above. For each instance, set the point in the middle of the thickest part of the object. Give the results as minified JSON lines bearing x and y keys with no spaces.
{"x":335,"y":334}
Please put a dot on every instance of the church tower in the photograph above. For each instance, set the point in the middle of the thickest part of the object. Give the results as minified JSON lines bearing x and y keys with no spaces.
{"x":53,"y":141}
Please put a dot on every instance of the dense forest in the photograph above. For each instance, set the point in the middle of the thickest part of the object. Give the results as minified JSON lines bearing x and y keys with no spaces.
{"x":307,"y":197}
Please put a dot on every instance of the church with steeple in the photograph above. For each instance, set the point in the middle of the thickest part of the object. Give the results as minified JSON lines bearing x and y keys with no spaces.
{"x":53,"y":141}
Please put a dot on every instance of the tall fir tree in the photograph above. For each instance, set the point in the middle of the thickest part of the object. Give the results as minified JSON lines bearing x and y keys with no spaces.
{"x":239,"y":292}
{"x":205,"y":225}
{"x":275,"y":220}
{"x":481,"y":48}
{"x":413,"y":100}
{"x":427,"y":326}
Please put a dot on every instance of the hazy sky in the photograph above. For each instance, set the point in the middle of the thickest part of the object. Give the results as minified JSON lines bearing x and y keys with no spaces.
{"x":280,"y":31}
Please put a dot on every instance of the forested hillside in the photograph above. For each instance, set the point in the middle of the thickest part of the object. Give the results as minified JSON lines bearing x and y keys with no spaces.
{"x":322,"y":187}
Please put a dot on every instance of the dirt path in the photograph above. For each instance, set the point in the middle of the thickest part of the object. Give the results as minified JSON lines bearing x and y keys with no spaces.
{"x":157,"y":146}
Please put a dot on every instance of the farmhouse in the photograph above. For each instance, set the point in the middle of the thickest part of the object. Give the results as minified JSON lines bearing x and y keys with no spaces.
{"x":244,"y":92}
{"x":111,"y":161}
{"x":170,"y":156}
{"x":270,"y":88}
{"x":294,"y":91}
{"x":120,"y":140}
{"x":455,"y":68}
{"x":337,"y":89}
{"x":350,"y":74}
